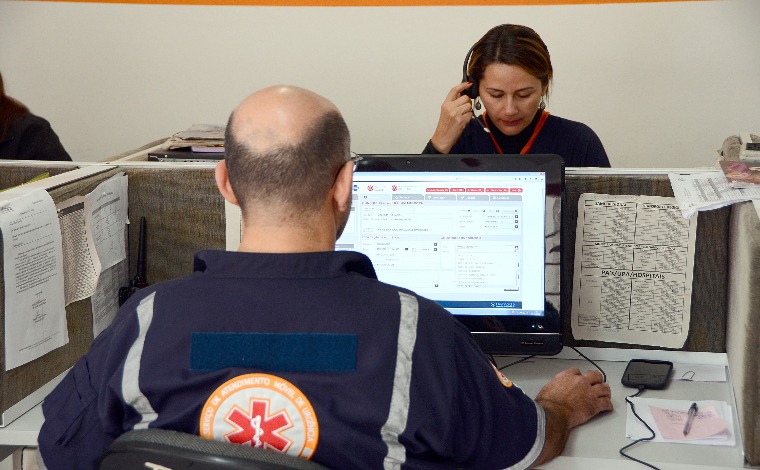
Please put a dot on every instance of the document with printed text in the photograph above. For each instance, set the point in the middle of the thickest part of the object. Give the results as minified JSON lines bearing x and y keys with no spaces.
{"x":80,"y":266}
{"x":634,"y":261}
{"x":35,"y":314}
{"x":708,"y":190}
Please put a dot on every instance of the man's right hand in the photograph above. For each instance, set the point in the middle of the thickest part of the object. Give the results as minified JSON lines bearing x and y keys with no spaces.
{"x":456,"y":112}
{"x":569,"y":400}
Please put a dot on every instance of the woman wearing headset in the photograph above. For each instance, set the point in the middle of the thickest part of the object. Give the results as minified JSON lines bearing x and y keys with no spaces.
{"x":509,"y":71}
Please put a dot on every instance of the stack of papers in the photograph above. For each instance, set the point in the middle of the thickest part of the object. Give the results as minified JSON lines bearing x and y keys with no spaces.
{"x":199,"y":137}
{"x":708,"y":190}
{"x":712,"y":425}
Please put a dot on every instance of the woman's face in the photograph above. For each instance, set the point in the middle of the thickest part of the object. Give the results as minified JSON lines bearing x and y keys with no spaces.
{"x":511,"y":96}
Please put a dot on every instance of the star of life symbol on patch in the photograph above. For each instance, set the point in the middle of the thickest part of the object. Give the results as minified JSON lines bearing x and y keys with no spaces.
{"x":261,"y":410}
{"x":258,"y":428}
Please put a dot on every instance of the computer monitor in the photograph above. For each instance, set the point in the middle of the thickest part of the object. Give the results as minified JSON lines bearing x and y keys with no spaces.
{"x":479,"y":234}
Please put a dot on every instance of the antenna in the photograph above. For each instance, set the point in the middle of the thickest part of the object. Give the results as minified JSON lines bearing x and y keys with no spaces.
{"x":140,"y":280}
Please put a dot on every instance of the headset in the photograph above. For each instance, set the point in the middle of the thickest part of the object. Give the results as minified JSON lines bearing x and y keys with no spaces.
{"x":472,"y":92}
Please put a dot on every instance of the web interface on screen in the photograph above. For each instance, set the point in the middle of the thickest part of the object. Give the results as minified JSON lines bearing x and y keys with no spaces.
{"x":471,"y":241}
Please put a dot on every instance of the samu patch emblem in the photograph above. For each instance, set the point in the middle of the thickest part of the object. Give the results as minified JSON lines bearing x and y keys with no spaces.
{"x":502,"y":378}
{"x":261,"y":410}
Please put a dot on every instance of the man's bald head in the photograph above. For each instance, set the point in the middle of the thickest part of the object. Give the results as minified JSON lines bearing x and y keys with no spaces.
{"x":277,"y":116}
{"x":283,"y":147}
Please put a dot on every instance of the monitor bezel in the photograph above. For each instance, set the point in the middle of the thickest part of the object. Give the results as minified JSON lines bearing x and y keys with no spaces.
{"x":522,"y":335}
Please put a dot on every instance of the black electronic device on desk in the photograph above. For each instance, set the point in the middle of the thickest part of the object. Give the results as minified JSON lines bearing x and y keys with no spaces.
{"x":479,"y":234}
{"x":139,"y":281}
{"x":647,"y":373}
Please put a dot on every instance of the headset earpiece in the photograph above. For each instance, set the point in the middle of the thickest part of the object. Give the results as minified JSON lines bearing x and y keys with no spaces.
{"x":472,"y":92}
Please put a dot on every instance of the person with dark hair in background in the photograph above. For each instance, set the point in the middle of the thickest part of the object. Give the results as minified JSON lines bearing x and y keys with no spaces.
{"x":290,"y":345}
{"x":508,"y":72}
{"x":25,"y":136}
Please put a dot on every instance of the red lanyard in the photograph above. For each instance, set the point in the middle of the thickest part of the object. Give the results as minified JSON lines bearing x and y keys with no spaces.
{"x":526,"y":149}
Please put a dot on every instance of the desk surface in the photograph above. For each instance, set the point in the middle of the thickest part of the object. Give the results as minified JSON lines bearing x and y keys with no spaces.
{"x":595,"y":445}
{"x":23,"y":431}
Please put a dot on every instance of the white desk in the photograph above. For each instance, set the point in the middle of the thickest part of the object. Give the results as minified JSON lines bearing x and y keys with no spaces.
{"x":595,"y":445}
{"x":23,"y":431}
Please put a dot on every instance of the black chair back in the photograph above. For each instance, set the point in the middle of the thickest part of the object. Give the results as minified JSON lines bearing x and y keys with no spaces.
{"x":163,"y":449}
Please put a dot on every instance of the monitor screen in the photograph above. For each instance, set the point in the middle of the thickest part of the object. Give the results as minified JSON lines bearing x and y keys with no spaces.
{"x":479,"y":234}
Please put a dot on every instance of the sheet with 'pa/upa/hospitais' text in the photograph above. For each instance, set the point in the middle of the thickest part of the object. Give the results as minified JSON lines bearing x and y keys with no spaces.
{"x":634,"y":262}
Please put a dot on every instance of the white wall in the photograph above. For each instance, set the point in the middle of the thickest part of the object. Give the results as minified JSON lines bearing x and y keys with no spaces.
{"x":661,"y":83}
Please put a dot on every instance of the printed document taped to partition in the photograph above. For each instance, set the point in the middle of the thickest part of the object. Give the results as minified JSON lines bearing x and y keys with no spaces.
{"x":80,"y":264}
{"x":634,"y":261}
{"x":106,"y":215}
{"x":35,"y":315}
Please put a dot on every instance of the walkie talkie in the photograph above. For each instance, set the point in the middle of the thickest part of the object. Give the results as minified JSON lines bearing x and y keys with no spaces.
{"x":139,"y":281}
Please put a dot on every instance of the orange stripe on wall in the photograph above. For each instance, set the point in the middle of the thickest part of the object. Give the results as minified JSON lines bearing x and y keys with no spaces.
{"x":371,"y":3}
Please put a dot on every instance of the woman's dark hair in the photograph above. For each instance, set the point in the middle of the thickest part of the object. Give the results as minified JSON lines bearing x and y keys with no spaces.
{"x":512,"y":44}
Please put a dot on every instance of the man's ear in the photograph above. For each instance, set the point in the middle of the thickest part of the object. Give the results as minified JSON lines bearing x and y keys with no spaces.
{"x":342,"y":188}
{"x":223,"y":182}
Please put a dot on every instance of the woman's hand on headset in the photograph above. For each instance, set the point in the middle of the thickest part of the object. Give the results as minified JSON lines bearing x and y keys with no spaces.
{"x":456,"y":112}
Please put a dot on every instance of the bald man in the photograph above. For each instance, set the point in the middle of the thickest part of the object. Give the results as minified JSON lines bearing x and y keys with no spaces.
{"x":292,"y":346}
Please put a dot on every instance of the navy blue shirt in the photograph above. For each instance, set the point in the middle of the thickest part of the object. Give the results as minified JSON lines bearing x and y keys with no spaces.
{"x":575,"y":142}
{"x":420,"y":395}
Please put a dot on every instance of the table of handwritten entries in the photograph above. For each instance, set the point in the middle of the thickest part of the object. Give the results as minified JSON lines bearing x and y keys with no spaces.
{"x":635,"y":265}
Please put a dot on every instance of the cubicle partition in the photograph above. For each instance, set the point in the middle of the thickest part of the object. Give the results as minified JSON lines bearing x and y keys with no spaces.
{"x":23,"y":387}
{"x":183,"y":211}
{"x":743,"y":329}
{"x":16,"y":173}
{"x":743,"y":324}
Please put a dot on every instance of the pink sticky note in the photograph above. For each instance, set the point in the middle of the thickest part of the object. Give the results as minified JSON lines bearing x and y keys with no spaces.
{"x":707,"y":424}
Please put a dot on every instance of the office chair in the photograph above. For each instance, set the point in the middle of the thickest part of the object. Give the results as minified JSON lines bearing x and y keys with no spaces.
{"x":163,"y":449}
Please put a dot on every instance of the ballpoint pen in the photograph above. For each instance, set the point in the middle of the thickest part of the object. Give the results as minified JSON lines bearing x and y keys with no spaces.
{"x":690,"y":418}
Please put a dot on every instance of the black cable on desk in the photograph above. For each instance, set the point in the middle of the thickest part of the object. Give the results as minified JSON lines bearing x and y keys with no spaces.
{"x":604,"y":375}
{"x":514,"y":362}
{"x":624,"y":448}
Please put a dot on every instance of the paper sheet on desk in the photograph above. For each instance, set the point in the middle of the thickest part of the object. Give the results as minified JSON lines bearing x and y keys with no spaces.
{"x":707,"y":424}
{"x":699,"y":372}
{"x":635,"y":430}
{"x":708,"y":190}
